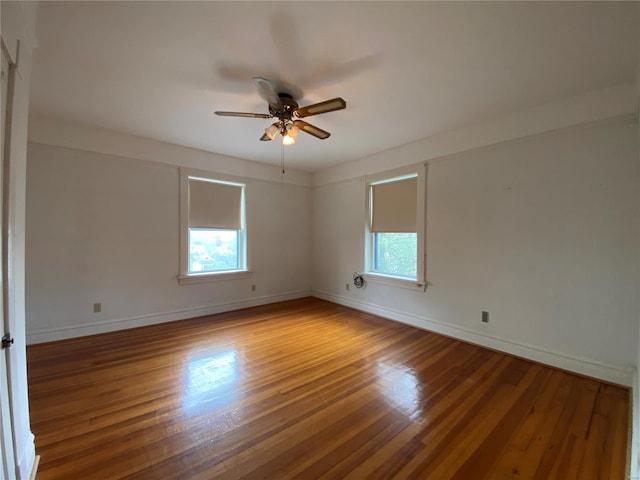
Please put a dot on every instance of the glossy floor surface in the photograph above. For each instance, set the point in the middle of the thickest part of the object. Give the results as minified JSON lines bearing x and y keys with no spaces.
{"x":307,"y":389}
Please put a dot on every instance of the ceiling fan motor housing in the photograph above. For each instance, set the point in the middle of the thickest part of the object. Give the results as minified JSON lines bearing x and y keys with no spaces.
{"x":289,"y":105}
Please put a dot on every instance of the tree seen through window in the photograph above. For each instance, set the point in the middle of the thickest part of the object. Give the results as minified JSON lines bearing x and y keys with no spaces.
{"x":396,"y":254}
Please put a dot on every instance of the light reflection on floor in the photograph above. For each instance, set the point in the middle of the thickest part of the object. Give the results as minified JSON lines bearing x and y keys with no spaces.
{"x":399,"y":387}
{"x":211,"y":380}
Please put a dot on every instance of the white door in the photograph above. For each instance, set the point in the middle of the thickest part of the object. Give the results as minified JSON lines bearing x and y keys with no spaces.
{"x":6,"y":435}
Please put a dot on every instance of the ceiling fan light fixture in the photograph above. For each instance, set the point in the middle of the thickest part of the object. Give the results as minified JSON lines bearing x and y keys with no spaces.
{"x":289,"y":134}
{"x":271,"y":131}
{"x":288,"y":140}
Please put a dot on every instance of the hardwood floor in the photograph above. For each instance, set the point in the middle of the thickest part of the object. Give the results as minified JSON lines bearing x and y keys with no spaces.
{"x":308,"y":389}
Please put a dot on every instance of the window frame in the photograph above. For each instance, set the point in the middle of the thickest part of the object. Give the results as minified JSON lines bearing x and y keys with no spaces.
{"x":244,"y":252}
{"x":419,"y":171}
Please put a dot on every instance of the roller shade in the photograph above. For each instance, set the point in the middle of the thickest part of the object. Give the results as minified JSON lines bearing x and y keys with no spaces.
{"x":215,"y":205}
{"x":394,"y":206}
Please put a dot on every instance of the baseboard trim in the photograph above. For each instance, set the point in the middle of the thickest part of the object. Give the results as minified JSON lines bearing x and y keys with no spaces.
{"x":34,"y":470}
{"x":72,"y":331}
{"x":28,"y":459}
{"x":612,"y":373}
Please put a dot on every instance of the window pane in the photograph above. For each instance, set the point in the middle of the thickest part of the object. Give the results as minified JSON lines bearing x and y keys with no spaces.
{"x":213,"y":250}
{"x":396,"y":254}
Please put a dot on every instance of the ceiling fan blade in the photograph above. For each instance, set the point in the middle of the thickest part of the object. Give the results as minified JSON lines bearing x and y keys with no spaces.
{"x":311,"y":129}
{"x":265,"y":138}
{"x":322,"y":107}
{"x":241,"y":114}
{"x":266,"y":90}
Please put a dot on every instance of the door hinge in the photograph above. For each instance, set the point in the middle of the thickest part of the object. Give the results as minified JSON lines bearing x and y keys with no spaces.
{"x":7,"y":341}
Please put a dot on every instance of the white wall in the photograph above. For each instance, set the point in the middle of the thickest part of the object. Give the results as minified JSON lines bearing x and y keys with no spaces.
{"x":56,"y":132}
{"x":105,"y":228}
{"x":542,"y":232}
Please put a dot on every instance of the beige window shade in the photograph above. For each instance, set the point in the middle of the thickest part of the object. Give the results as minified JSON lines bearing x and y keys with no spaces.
{"x":394,"y":206}
{"x":215,"y":205}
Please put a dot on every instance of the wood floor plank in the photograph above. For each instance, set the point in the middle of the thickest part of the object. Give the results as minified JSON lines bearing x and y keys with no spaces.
{"x":522,"y":458}
{"x":307,"y":389}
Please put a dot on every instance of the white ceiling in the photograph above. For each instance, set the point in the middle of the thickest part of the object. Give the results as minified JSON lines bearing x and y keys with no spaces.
{"x":407,"y":70}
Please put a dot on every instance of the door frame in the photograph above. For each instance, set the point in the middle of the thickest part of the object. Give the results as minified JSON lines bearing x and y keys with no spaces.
{"x":7,"y":437}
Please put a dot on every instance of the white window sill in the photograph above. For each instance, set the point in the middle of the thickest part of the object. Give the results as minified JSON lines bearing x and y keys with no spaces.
{"x":395,"y":281}
{"x":213,"y":276}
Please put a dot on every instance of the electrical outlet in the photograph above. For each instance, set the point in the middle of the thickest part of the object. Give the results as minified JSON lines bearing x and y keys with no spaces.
{"x":485,"y":317}
{"x":347,"y":287}
{"x":253,"y":288}
{"x":97,"y":307}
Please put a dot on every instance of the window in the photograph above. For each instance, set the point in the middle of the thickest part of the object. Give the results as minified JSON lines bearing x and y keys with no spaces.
{"x":213,"y":250}
{"x":395,"y":254}
{"x":395,"y":240}
{"x":214,"y":234}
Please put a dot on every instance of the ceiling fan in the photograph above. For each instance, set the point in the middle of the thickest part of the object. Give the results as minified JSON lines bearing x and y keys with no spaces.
{"x":283,"y":107}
